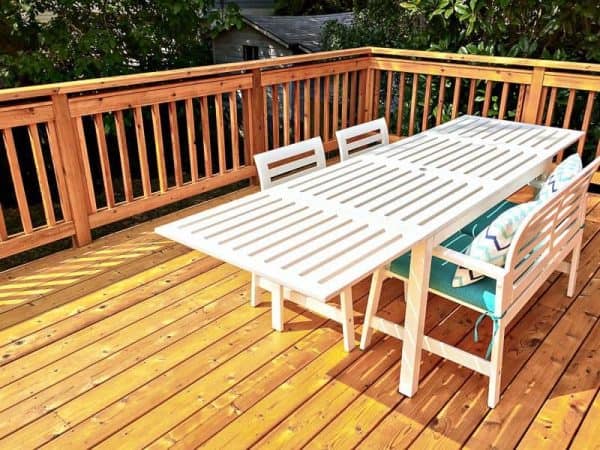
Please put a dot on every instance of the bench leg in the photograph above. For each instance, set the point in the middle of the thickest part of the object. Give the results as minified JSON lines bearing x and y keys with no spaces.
{"x":496,"y":365}
{"x":575,"y":257}
{"x":372,"y":306}
{"x":277,"y":308}
{"x":254,"y":298}
{"x":347,"y":318}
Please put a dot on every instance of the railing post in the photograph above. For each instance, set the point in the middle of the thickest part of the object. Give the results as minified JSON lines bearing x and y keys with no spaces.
{"x":254,"y":119}
{"x":534,"y":95}
{"x":72,"y":167}
{"x":365,"y":95}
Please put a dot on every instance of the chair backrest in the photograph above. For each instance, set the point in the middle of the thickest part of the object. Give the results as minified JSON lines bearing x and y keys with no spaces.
{"x":362,"y":136}
{"x":542,"y":241}
{"x":283,"y":163}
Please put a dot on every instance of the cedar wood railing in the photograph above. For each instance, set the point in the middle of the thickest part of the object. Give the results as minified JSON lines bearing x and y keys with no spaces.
{"x":88,"y":153}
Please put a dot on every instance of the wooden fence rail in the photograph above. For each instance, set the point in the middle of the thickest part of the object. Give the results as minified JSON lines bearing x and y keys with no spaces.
{"x":77,"y":156}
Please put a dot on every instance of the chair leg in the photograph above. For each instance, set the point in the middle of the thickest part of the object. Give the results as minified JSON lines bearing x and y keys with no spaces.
{"x":575,"y":257}
{"x":496,"y":365}
{"x":254,"y":297}
{"x":372,"y":305}
{"x":347,"y":318}
{"x":277,"y":308}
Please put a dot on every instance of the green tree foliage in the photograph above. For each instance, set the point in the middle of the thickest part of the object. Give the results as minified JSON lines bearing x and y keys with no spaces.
{"x":308,"y":7}
{"x":56,"y":40}
{"x":557,"y":29}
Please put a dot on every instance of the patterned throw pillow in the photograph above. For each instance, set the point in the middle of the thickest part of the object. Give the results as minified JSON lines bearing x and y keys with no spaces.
{"x":493,"y":243}
{"x":564,"y":173}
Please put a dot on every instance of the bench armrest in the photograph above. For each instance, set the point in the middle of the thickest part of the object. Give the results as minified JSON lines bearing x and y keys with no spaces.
{"x":460,"y":259}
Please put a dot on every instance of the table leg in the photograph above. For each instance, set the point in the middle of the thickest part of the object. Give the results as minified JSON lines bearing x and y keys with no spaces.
{"x":254,"y":297}
{"x":277,"y":308}
{"x":347,"y":318}
{"x":418,"y":286}
{"x":372,"y":305}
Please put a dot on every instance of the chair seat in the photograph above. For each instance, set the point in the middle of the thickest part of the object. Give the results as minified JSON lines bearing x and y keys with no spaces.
{"x":481,"y":295}
{"x":483,"y":221}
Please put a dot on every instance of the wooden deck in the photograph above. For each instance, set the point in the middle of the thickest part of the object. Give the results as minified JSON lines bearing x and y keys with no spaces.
{"x":136,"y":341}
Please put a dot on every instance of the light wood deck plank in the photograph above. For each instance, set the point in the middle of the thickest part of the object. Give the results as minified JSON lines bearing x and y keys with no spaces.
{"x":160,"y":348}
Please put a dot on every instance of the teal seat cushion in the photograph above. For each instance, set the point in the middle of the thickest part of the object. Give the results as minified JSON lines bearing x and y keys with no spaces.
{"x":483,"y":221}
{"x":481,"y":294}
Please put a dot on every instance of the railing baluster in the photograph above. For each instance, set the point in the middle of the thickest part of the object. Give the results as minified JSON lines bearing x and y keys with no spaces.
{"x":388,"y":95}
{"x":503,"y":100}
{"x":219,"y":114}
{"x":285,"y":106}
{"x":40,"y":168}
{"x":551,"y":105}
{"x":569,"y":110}
{"x":175,"y":147}
{"x":426,"y":101}
{"x":376,"y":94}
{"x":91,"y":195}
{"x":413,"y":104}
{"x":124,"y":155}
{"x":275,"y":114}
{"x":297,"y":96}
{"x":104,"y":161}
{"x":326,"y":98}
{"x":206,"y":137}
{"x":3,"y":230}
{"x":471,"y":101}
{"x":456,"y":97}
{"x":440,"y":105}
{"x":306,"y":109}
{"x":15,"y":172}
{"x":345,"y":100}
{"x":191,"y":137}
{"x":316,"y":107}
{"x":587,"y":116}
{"x":487,"y":98}
{"x":142,"y":151}
{"x":235,"y":142}
{"x":158,"y":147}
{"x":336,"y":93}
{"x":400,"y":117}
{"x":353,"y":106}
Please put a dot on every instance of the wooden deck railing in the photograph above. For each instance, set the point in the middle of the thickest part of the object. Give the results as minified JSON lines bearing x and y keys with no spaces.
{"x":76,"y":156}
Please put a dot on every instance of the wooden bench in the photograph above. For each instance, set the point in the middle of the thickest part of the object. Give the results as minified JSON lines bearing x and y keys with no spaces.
{"x":552,"y":232}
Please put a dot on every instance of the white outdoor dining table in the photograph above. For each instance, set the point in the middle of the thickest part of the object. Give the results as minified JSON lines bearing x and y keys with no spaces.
{"x":320,"y":233}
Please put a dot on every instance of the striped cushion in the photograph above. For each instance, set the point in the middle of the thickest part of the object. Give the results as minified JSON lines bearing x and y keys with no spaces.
{"x":482,"y":295}
{"x":564,"y":173}
{"x":493,"y":243}
{"x":483,"y":221}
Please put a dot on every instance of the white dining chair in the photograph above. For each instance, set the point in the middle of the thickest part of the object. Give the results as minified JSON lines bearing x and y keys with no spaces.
{"x":361,"y":137}
{"x":281,"y":164}
{"x":274,"y":167}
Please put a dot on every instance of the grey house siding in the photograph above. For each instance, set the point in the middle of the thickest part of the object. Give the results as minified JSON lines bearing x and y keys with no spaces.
{"x":228,"y":46}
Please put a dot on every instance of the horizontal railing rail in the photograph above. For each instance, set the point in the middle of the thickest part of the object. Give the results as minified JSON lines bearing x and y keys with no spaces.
{"x":76,"y":156}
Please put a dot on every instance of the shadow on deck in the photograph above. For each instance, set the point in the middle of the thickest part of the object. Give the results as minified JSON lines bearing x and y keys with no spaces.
{"x":136,"y":341}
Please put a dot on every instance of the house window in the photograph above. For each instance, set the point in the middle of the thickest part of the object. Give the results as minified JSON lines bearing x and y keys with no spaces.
{"x":250,"y":52}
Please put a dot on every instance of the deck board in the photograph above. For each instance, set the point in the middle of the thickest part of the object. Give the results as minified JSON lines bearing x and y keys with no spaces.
{"x":136,"y":341}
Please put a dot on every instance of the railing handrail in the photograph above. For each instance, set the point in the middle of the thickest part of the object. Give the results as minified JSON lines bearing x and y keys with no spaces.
{"x":69,"y":87}
{"x":91,"y":84}
{"x":494,"y":60}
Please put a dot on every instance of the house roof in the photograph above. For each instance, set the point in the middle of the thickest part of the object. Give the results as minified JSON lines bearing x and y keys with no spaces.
{"x":303,"y":32}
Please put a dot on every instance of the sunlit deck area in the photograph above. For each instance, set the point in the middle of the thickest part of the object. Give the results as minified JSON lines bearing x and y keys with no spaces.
{"x":136,"y":341}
